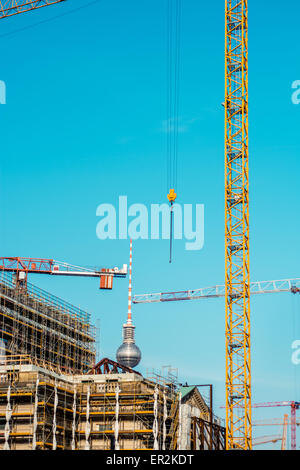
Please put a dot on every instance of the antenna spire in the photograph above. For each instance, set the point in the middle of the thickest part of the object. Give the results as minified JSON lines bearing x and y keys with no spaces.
{"x":128,"y":354}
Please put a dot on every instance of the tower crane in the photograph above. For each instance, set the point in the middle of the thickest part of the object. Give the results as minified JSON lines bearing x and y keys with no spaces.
{"x":285,"y":422}
{"x":237,"y":273}
{"x":294,"y":406}
{"x":255,"y":288}
{"x":260,"y":287}
{"x":21,"y":267}
{"x":14,"y":7}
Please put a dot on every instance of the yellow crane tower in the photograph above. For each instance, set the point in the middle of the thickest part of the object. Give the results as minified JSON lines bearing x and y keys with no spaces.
{"x":238,"y":360}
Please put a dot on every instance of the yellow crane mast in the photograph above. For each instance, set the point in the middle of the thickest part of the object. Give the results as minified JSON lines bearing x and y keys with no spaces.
{"x":238,"y":360}
{"x":284,"y":433}
{"x":14,"y":7}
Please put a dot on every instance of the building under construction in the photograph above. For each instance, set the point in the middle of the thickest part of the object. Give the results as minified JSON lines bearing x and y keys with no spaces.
{"x":119,"y":410}
{"x":53,"y":396}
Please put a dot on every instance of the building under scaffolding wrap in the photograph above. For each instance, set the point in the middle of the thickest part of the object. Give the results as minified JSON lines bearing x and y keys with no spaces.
{"x":41,"y":409}
{"x":54,"y":397}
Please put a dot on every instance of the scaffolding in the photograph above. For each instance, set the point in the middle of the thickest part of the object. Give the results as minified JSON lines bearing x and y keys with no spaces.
{"x":35,"y":408}
{"x":124,"y":413}
{"x":44,"y":409}
{"x":41,"y":410}
{"x":48,"y":329}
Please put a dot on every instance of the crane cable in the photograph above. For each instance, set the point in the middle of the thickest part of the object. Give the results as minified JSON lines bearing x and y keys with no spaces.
{"x":173,"y":88}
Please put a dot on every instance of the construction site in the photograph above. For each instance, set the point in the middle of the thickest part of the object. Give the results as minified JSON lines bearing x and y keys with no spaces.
{"x":58,"y":391}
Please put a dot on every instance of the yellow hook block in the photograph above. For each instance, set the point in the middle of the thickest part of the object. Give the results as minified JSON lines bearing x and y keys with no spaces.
{"x":172,"y":195}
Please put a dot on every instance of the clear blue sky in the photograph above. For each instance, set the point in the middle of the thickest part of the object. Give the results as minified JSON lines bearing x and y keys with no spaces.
{"x":86,"y":99}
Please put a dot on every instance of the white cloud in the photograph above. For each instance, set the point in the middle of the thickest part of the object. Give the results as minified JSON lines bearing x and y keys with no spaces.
{"x":183,"y":124}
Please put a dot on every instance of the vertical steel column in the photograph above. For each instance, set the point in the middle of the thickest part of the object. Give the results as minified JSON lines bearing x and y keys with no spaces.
{"x":211,"y":416}
{"x":54,"y":424}
{"x":87,"y":423}
{"x":73,"y":443}
{"x":117,"y":445}
{"x":238,"y":364}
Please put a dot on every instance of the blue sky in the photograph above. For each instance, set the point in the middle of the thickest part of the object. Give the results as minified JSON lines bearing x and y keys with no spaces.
{"x":83,"y":124}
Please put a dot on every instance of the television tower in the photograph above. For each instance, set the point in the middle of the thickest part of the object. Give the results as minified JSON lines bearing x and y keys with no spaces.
{"x":128,"y":353}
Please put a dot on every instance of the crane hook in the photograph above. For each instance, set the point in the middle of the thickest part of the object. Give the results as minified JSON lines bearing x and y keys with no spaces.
{"x":172,"y":198}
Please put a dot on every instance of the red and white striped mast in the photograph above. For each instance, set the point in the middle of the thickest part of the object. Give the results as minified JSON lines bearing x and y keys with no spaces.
{"x":129,"y":317}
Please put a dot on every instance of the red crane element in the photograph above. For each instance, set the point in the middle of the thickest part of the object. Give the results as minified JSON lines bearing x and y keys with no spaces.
{"x":21,"y":267}
{"x":294,"y":406}
{"x":14,"y":7}
{"x":285,"y":422}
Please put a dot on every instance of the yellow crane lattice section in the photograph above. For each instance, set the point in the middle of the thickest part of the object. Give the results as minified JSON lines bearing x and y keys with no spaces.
{"x":14,"y":7}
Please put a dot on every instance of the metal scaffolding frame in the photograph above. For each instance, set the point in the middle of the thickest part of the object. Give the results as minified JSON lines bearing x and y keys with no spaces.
{"x":38,"y":324}
{"x":137,"y":410}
